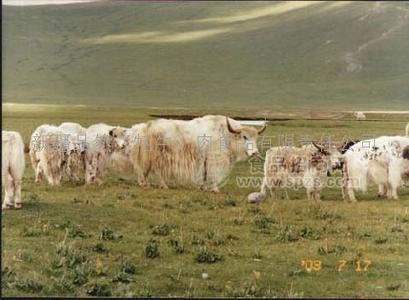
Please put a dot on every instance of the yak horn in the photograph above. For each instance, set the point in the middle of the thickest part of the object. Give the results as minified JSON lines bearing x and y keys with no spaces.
{"x":231,"y":128}
{"x":320,"y":148}
{"x":262,"y":129}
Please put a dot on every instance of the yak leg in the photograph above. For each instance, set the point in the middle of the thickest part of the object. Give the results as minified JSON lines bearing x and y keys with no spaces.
{"x":264,"y":186}
{"x":351,"y":194}
{"x":143,"y":182}
{"x":344,"y":193}
{"x":268,"y":185}
{"x":47,"y":173}
{"x":317,"y":196}
{"x":215,"y":189}
{"x":17,"y":193}
{"x":394,"y":180}
{"x":143,"y":175}
{"x":274,"y":193}
{"x":15,"y":179}
{"x":347,"y":188}
{"x":38,"y":173}
{"x":383,"y":190}
{"x":309,"y":194}
{"x":9,"y":192}
{"x":162,"y":184}
{"x":350,"y":191}
{"x":287,"y":197}
{"x":394,"y":193}
{"x":394,"y":189}
{"x":344,"y":185}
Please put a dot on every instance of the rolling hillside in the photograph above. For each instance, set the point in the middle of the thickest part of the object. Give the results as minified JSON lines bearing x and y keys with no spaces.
{"x":298,"y":55}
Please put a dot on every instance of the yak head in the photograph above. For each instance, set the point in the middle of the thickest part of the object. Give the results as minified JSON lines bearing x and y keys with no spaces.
{"x":245,"y":140}
{"x":118,"y":137}
{"x":332,"y":153}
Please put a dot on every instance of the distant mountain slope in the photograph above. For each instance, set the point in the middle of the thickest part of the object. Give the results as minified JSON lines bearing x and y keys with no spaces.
{"x":266,"y":54}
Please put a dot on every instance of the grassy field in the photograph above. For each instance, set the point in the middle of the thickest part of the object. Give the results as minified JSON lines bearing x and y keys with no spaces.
{"x":122,"y":240}
{"x":326,"y":55}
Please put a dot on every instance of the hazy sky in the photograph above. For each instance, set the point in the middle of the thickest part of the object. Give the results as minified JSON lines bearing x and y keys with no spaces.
{"x":40,"y":2}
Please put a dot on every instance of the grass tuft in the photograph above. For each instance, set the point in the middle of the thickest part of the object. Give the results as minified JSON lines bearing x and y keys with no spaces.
{"x":128,"y":268}
{"x":99,"y":289}
{"x":100,"y":248}
{"x":287,"y":234}
{"x":108,"y":234}
{"x":204,"y":256}
{"x":28,"y":285}
{"x":152,"y":249}
{"x":162,"y":230}
{"x":176,"y":246}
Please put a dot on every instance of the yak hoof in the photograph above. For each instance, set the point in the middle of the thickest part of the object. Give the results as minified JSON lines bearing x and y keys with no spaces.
{"x":163,"y":186}
{"x":144,"y":185}
{"x":7,"y":206}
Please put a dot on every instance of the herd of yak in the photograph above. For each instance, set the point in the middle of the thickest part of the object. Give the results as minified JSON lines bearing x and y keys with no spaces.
{"x":199,"y":152}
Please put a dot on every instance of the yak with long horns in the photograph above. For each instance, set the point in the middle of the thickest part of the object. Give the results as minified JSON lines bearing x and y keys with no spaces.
{"x":201,"y":151}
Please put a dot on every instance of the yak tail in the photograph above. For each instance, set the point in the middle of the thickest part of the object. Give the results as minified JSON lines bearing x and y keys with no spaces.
{"x":358,"y":177}
{"x":405,"y":153}
{"x":26,"y":148}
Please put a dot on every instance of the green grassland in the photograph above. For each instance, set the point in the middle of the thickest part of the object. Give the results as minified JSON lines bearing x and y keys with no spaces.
{"x":326,"y":55}
{"x":119,"y":239}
